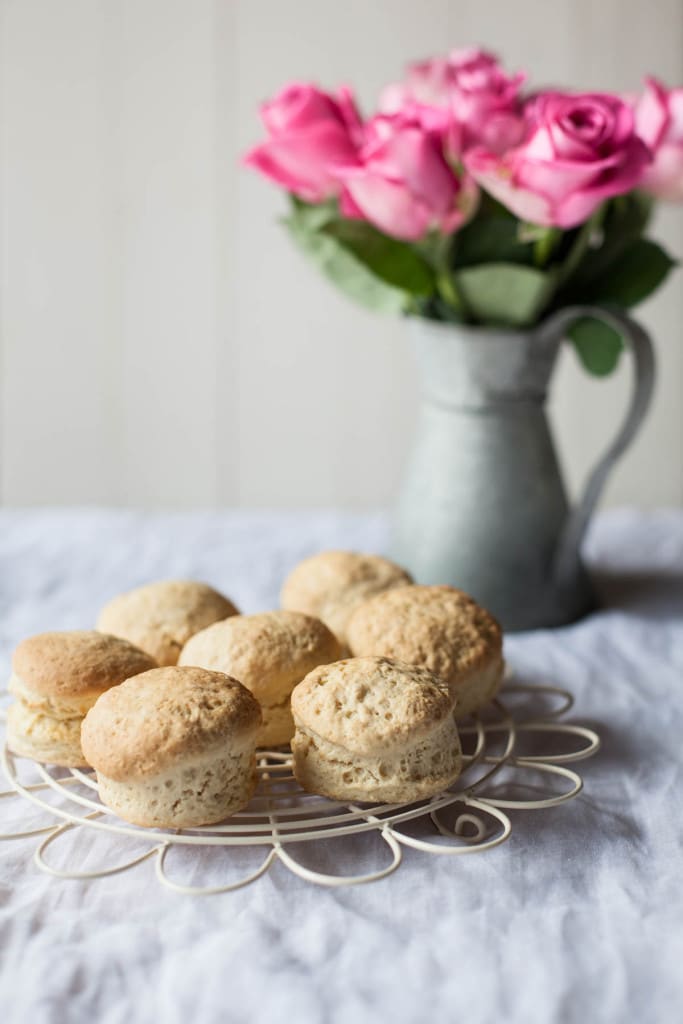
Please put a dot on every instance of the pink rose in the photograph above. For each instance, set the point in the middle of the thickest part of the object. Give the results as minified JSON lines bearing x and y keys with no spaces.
{"x":402,"y":182}
{"x":310,"y":131}
{"x":659,"y":122}
{"x":578,"y":151}
{"x":472,"y":88}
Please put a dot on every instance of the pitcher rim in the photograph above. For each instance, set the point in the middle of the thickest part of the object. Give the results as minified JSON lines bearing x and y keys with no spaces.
{"x":472,"y":331}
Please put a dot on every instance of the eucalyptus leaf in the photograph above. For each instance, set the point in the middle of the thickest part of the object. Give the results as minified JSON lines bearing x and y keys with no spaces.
{"x":598,"y":345}
{"x":506,"y":294}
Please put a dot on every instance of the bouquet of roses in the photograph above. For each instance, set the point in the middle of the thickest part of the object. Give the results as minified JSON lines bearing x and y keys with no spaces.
{"x":467,"y":199}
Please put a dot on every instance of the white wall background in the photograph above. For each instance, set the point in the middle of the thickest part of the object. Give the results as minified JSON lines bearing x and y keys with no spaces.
{"x":162,"y":344}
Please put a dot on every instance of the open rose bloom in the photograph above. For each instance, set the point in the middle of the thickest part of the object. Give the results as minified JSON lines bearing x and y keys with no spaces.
{"x":462,"y":167}
{"x":310,"y":133}
{"x":402,"y":183}
{"x":576,"y":152}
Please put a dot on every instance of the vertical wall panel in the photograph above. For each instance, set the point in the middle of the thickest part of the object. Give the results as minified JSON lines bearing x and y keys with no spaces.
{"x":231,"y":270}
{"x":58,"y":413}
{"x":168,"y":251}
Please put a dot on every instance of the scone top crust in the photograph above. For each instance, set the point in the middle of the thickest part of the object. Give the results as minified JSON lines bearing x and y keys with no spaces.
{"x":330,"y":585}
{"x":371,"y":705}
{"x":161,"y":617}
{"x":166,"y":716}
{"x":269,"y":653}
{"x":440,"y":628}
{"x":74,"y":664}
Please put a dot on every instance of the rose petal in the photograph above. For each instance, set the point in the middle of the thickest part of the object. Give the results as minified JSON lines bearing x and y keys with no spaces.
{"x":665,"y":178}
{"x":675,"y":133}
{"x":348,"y":207}
{"x":420,"y":164}
{"x":493,"y":175}
{"x":297,"y":106}
{"x":302,"y":163}
{"x":388,"y":205}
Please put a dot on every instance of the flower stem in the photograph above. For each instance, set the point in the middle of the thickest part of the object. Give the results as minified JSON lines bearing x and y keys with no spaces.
{"x":438,"y":251}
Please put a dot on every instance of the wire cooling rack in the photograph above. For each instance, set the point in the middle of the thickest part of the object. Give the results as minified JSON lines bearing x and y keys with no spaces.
{"x":515,"y":749}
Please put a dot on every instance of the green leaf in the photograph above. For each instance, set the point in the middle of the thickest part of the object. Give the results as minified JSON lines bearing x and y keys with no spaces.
{"x":382,"y":273}
{"x":505,"y":293}
{"x":393,"y":261}
{"x":634,"y":276}
{"x":488,"y":237}
{"x":601,"y":242}
{"x":341,"y":266}
{"x":598,"y":345}
{"x":313,"y":216}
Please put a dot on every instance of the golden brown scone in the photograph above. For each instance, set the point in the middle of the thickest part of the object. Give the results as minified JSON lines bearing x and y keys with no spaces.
{"x":440,"y":628}
{"x":269,"y":653}
{"x":332,"y":584}
{"x":174,"y":747}
{"x":56,"y":678}
{"x":374,"y":729}
{"x":161,"y":617}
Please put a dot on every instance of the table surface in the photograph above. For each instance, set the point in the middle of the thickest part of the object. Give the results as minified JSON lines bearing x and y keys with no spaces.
{"x":578,"y":917}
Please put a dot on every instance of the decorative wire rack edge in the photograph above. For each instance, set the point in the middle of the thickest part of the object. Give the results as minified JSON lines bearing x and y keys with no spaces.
{"x":281,"y":814}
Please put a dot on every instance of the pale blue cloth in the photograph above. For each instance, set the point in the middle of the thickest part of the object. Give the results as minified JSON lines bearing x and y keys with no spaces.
{"x":578,"y":918}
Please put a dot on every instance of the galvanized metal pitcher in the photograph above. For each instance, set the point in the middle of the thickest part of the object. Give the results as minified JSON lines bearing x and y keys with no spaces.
{"x":483,"y":506}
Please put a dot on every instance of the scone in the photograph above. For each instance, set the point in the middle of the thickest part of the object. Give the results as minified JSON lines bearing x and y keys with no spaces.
{"x":174,"y":748}
{"x":375,"y":730}
{"x":56,"y":678}
{"x":269,"y":653}
{"x":161,"y":617}
{"x":440,"y":628}
{"x":332,"y":584}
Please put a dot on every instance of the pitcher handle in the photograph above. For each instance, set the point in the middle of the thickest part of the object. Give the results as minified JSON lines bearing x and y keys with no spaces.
{"x":638,"y":341}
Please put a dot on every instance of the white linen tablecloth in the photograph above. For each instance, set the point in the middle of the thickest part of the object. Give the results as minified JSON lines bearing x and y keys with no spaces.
{"x":579,"y":917}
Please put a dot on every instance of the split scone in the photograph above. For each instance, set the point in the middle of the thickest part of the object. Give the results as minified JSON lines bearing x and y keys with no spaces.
{"x":161,"y":617}
{"x":332,"y":584}
{"x":174,"y":747}
{"x":440,"y":628}
{"x":269,"y":653}
{"x":56,"y":678}
{"x":375,"y":730}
